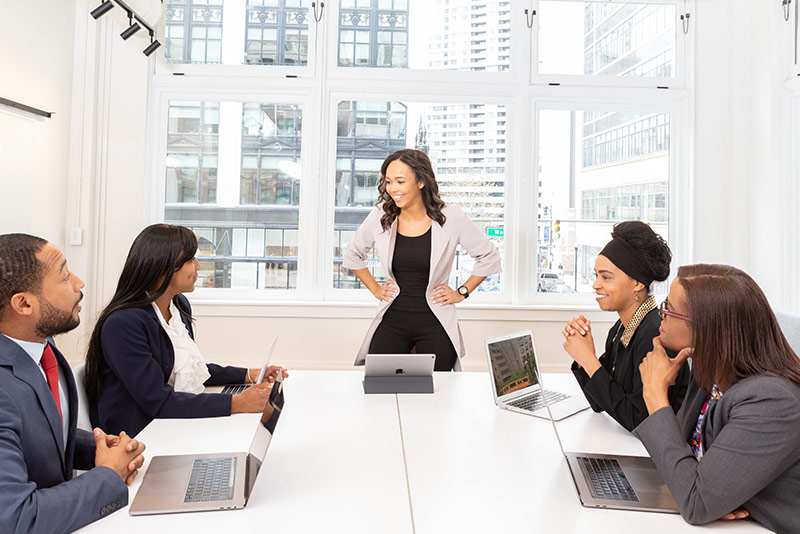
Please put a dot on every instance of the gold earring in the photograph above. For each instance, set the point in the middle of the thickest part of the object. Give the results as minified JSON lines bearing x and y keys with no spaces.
{"x":637,"y":298}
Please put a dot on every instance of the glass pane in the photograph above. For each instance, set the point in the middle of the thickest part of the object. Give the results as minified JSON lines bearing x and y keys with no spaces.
{"x":202,"y":20}
{"x":192,"y":147}
{"x":604,"y":38}
{"x":277,"y":32}
{"x":424,"y":34}
{"x":248,"y":225}
{"x":368,"y":131}
{"x":596,"y":168}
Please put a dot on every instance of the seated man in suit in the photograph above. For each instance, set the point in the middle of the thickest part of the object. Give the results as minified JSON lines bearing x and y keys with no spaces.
{"x":39,"y":442}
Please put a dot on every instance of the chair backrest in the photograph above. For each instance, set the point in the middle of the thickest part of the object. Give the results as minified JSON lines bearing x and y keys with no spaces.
{"x":83,"y":400}
{"x":790,"y":325}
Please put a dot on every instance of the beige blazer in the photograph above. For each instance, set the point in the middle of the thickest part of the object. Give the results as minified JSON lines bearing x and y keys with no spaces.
{"x":457,"y":229}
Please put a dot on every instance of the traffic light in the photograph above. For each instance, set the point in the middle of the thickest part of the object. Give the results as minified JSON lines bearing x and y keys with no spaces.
{"x":556,"y":229}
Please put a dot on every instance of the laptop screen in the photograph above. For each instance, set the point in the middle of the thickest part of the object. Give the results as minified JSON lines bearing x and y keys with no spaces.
{"x":513,"y":363}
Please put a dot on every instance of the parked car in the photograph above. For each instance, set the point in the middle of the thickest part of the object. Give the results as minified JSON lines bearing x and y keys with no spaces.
{"x":549,"y":282}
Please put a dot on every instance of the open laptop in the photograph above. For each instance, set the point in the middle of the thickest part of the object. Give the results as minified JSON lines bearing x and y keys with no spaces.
{"x":203,"y":482}
{"x":513,"y":370}
{"x":617,"y":481}
{"x":234,"y":389}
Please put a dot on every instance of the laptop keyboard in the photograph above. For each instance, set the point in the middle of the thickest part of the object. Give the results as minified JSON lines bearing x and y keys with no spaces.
{"x":211,"y":480}
{"x":606,"y":479}
{"x":537,"y":400}
{"x":234,"y":389}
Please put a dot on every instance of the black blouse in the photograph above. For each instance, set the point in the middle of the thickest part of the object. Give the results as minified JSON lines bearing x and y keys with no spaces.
{"x":616,"y":387}
{"x":411,"y":264}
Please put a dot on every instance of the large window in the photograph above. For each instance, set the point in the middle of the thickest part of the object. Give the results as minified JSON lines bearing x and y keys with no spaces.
{"x":270,"y":142}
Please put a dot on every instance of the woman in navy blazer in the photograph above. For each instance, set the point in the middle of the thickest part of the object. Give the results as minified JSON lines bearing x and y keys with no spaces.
{"x":131,"y":358}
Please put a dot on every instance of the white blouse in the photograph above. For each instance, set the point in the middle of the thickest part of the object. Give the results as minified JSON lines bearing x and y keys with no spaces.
{"x":189,"y":372}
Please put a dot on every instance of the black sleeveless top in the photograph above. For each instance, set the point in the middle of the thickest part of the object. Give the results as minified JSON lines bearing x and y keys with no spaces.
{"x":411,"y":264}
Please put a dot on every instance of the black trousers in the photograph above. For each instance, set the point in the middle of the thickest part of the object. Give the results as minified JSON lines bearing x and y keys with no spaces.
{"x":408,"y":323}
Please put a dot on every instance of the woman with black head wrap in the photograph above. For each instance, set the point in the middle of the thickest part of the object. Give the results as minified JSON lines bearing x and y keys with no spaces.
{"x":624,"y":271}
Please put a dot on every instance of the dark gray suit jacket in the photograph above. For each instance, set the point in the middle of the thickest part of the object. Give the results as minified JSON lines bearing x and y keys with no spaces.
{"x":751,"y":453}
{"x":37,"y":490}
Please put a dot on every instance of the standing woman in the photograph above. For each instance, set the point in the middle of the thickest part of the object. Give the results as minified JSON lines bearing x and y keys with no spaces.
{"x":142,"y":361}
{"x":416,"y":235}
{"x":627,"y":266}
{"x":733,"y":449}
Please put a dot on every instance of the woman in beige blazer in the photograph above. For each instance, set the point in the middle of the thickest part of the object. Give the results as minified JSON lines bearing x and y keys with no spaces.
{"x":415,"y":235}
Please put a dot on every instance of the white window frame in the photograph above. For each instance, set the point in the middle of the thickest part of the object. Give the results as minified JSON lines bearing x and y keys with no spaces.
{"x":231,"y":7}
{"x":515,"y":75}
{"x":791,"y":225}
{"x":676,"y":82}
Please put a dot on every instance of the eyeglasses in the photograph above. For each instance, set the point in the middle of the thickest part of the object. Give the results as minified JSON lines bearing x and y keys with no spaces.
{"x":662,"y":309}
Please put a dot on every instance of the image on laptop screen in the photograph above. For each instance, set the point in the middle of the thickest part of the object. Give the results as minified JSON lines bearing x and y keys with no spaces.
{"x":513,"y":364}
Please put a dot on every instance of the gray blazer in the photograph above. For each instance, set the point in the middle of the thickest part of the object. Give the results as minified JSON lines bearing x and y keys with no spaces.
{"x":37,"y":490}
{"x":751,"y":452}
{"x":457,"y":229}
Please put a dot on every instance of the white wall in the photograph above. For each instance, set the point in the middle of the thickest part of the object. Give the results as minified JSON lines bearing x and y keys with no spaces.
{"x":93,"y":176}
{"x":741,"y":204}
{"x":34,"y":151}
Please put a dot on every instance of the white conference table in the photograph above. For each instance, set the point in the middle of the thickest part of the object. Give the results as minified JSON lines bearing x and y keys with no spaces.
{"x":342,"y":461}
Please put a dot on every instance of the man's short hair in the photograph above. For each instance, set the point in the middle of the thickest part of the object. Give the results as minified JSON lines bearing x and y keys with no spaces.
{"x":20,"y":269}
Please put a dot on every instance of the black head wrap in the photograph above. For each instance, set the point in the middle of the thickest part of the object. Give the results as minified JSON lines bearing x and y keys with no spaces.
{"x":627,"y":258}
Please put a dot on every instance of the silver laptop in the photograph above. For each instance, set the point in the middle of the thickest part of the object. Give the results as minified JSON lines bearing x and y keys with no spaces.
{"x":234,"y":389}
{"x":399,"y":364}
{"x":513,"y":370}
{"x":203,"y":482}
{"x":617,"y":481}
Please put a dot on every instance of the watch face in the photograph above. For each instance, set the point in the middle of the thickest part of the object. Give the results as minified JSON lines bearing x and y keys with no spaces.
{"x":463,"y":291}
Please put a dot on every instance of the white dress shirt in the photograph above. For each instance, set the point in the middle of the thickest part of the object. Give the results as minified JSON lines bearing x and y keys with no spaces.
{"x":190,"y":371}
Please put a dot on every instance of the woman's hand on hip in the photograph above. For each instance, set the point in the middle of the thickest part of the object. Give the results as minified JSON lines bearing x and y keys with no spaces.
{"x":444,"y":295}
{"x":387,"y":291}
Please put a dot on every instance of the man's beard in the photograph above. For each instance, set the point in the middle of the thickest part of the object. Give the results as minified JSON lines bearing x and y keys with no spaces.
{"x":54,"y":321}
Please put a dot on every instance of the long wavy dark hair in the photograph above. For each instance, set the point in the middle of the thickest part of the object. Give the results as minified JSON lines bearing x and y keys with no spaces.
{"x":735,"y":331}
{"x":423,"y":173}
{"x":156,"y":253}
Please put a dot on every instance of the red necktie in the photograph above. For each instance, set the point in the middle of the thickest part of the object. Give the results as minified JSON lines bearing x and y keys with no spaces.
{"x":50,"y":366}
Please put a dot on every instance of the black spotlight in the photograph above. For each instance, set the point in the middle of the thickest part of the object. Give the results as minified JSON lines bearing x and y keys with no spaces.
{"x":151,"y":47}
{"x":102,"y":9}
{"x":128,"y":32}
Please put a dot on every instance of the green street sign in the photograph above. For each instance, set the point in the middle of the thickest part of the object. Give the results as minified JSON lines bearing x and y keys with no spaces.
{"x":495,"y":232}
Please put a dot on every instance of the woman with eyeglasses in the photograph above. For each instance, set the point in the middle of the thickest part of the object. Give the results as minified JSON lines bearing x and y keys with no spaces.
{"x":624,"y":271}
{"x":733,"y":449}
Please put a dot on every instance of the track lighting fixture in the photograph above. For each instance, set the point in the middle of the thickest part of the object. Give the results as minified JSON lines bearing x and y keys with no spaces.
{"x":135,"y":23}
{"x":130,"y":30}
{"x":154,"y":44}
{"x":102,"y":9}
